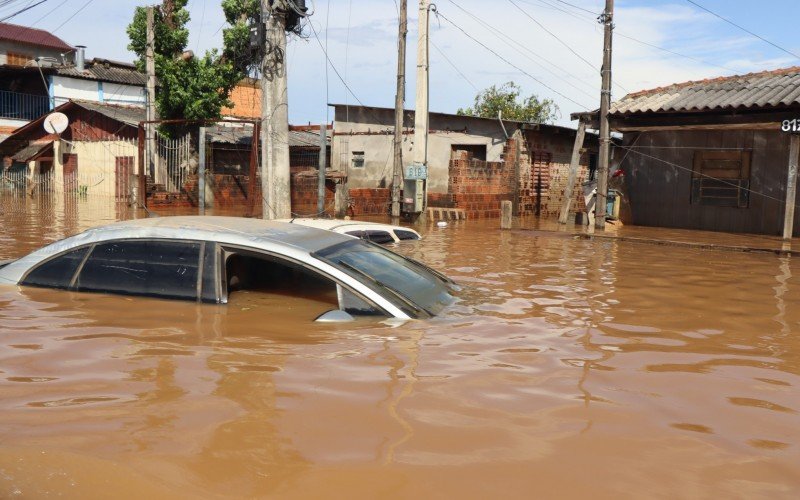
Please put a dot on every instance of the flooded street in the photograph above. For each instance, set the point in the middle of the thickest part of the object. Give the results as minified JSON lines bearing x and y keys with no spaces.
{"x":570,"y":368}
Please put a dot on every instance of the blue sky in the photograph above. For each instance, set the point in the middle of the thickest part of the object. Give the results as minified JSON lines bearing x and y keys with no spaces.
{"x":362,"y":37}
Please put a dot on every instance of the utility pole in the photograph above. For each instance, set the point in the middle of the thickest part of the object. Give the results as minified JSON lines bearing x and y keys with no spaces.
{"x":421,"y":123}
{"x":399,"y":104}
{"x":275,"y":174}
{"x":150,"y":67}
{"x":607,"y":18}
{"x":323,"y":163}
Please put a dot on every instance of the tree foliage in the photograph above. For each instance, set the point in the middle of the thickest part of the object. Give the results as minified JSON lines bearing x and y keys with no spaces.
{"x":506,"y":98}
{"x":194,"y":88}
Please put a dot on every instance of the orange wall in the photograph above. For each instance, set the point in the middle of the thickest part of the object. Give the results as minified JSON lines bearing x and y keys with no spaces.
{"x":246,"y":99}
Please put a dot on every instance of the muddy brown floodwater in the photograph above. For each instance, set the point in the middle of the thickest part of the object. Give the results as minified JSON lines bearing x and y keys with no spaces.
{"x":570,"y":369}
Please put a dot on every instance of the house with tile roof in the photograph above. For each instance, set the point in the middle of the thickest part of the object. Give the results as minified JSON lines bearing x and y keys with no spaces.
{"x":719,"y":154}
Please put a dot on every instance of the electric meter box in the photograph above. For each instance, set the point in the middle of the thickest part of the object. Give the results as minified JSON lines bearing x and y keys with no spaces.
{"x":413,"y":195}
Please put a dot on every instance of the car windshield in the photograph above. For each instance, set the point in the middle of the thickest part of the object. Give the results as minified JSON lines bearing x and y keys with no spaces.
{"x":413,"y":285}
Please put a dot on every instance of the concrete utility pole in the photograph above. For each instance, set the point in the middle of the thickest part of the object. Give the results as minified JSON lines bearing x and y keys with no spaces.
{"x":607,"y":18}
{"x":275,"y":175}
{"x":791,"y":187}
{"x":421,"y":122}
{"x":399,"y":103}
{"x":150,"y":67}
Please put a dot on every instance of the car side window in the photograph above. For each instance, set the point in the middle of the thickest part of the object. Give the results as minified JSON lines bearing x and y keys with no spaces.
{"x":256,"y":280}
{"x":405,"y":235}
{"x":56,"y":272}
{"x":158,"y":268}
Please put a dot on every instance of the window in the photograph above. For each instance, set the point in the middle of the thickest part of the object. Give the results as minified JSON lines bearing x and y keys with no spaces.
{"x":405,"y":235}
{"x":56,"y":272}
{"x":478,"y":151}
{"x":380,"y":237}
{"x":721,"y":178}
{"x":255,"y":280}
{"x":159,"y":268}
{"x":358,"y":159}
{"x":14,"y":59}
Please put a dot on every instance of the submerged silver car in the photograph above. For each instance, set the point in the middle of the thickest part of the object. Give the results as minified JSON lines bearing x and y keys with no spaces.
{"x":208,"y":259}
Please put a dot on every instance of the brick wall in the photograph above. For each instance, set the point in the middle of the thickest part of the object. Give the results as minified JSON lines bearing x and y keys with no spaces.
{"x":478,"y":187}
{"x":365,"y":201}
{"x":305,"y":187}
{"x":246,"y":99}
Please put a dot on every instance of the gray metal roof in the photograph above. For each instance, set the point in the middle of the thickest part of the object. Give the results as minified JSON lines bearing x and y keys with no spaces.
{"x":129,"y":115}
{"x":106,"y":71}
{"x":242,"y":135}
{"x":767,"y":89}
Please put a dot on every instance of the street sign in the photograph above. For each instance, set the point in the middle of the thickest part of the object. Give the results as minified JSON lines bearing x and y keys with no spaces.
{"x":417,"y":171}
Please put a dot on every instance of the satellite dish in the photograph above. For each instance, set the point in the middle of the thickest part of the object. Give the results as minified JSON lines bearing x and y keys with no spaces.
{"x":55,"y":123}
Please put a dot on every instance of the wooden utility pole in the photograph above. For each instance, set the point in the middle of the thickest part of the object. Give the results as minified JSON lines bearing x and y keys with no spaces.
{"x":574,"y":164}
{"x":150,"y":68}
{"x":421,"y":122}
{"x":607,"y":18}
{"x":323,"y":163}
{"x":275,"y":174}
{"x":791,"y":187}
{"x":399,"y":104}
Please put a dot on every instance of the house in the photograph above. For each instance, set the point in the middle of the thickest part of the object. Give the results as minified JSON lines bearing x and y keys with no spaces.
{"x":473,"y":163}
{"x":711,"y":154}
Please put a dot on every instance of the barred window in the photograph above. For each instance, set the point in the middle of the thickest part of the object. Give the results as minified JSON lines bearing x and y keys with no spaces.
{"x":721,"y":178}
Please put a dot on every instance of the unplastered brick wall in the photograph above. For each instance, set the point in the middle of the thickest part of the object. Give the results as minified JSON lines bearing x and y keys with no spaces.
{"x":364,"y":201}
{"x":305,"y":188}
{"x":558,"y":176}
{"x":477,"y":186}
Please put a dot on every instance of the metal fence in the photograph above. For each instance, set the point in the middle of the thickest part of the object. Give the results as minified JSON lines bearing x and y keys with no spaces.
{"x":20,"y":106}
{"x":176,"y":160}
{"x":86,"y":169}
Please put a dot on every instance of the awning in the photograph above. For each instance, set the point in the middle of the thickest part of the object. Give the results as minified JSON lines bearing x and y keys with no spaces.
{"x":32,"y":151}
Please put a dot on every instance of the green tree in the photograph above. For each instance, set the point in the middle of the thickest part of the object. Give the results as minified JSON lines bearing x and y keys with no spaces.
{"x":506,"y":98}
{"x":194,"y":88}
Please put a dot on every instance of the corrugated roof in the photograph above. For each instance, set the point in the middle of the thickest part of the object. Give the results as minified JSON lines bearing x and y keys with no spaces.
{"x":32,"y":36}
{"x":31,"y":150}
{"x":767,"y":89}
{"x":106,"y":71}
{"x":243,"y":135}
{"x":129,"y":115}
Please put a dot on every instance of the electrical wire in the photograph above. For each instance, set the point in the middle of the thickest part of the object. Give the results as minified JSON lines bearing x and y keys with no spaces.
{"x":496,"y":54}
{"x":24,"y":9}
{"x":441,"y":52}
{"x":520,"y":47}
{"x":565,"y":44}
{"x":70,"y":17}
{"x":743,"y":29}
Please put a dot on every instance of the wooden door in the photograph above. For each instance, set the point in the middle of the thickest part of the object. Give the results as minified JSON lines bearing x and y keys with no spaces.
{"x":123,"y":171}
{"x":70,"y":171}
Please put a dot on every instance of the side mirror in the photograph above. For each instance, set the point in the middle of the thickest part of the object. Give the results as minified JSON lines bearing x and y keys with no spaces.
{"x":334,"y":316}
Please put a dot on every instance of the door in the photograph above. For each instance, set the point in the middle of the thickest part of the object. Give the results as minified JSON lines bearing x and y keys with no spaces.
{"x":122,"y":175}
{"x":70,"y":171}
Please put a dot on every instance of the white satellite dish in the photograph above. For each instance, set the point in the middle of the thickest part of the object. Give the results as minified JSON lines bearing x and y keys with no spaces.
{"x":55,"y":123}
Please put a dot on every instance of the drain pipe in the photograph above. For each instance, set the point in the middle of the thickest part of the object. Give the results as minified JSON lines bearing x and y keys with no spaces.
{"x":500,"y":119}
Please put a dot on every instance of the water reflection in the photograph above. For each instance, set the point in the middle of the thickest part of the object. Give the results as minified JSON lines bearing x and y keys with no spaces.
{"x":633,"y":368}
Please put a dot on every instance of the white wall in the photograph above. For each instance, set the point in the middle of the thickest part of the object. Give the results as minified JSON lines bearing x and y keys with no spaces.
{"x":115,"y":93}
{"x":65,"y":88}
{"x":27,"y":50}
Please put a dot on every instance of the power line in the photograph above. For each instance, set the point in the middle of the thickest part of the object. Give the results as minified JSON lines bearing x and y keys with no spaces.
{"x":73,"y":15}
{"x":565,"y":44}
{"x":439,"y":14}
{"x":506,"y":39}
{"x":48,"y":13}
{"x":743,"y":29}
{"x":454,"y":66}
{"x":20,"y":11}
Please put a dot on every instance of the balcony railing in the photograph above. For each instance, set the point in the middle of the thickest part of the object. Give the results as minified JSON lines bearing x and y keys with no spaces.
{"x":19,"y":106}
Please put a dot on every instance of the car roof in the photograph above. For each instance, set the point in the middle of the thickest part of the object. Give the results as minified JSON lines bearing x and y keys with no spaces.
{"x":255,"y":233}
{"x":339,"y":224}
{"x":234,"y":230}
